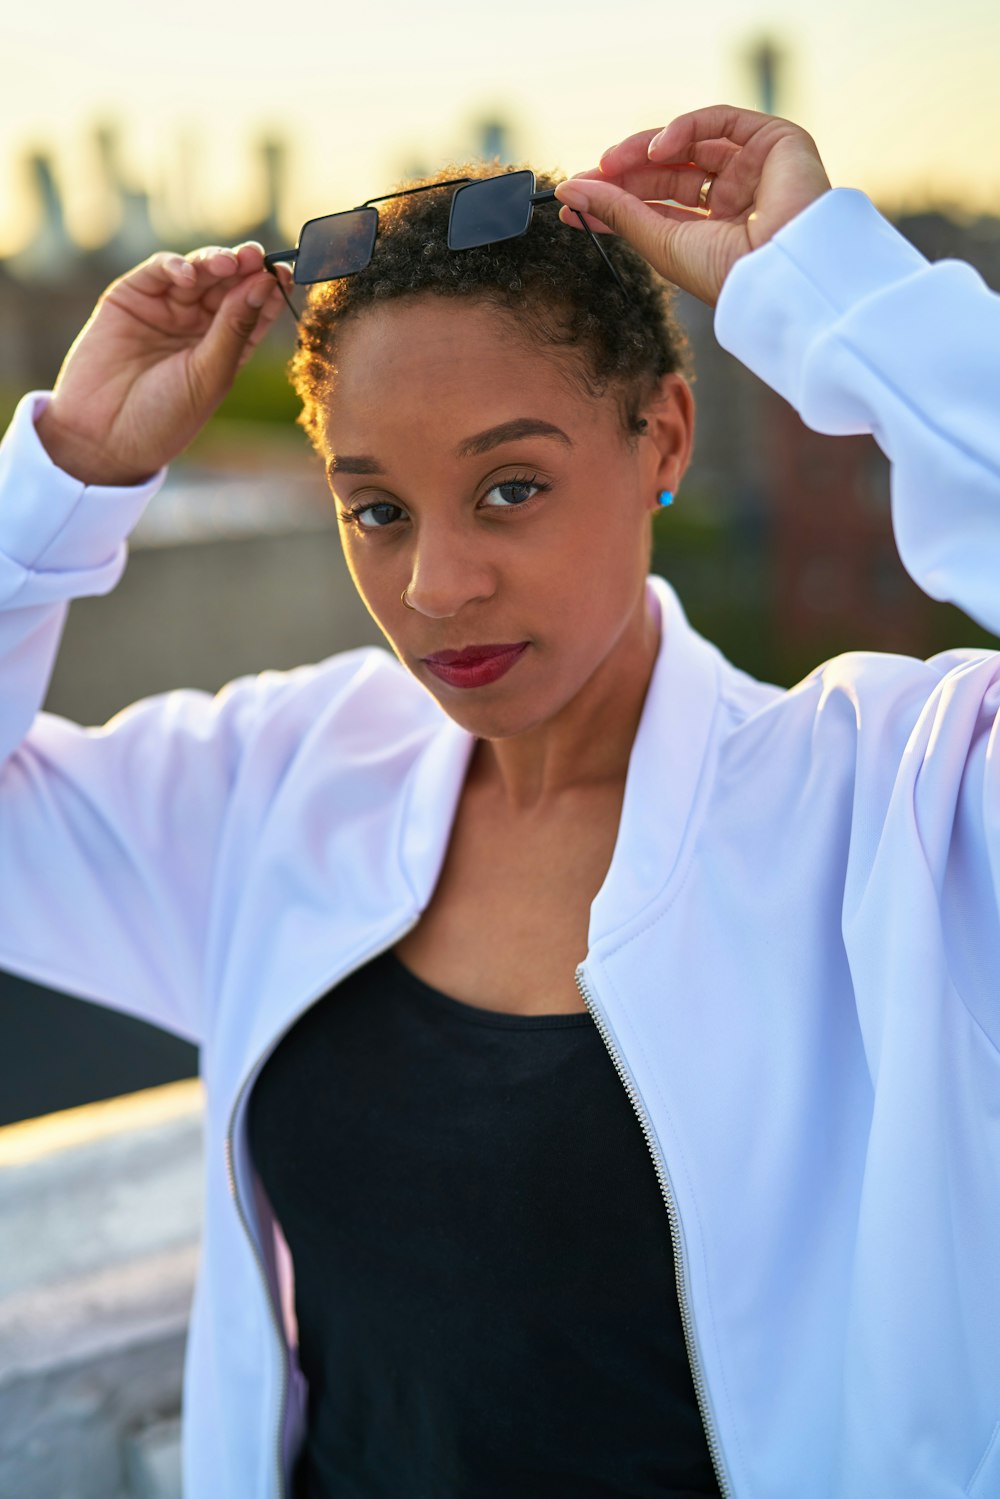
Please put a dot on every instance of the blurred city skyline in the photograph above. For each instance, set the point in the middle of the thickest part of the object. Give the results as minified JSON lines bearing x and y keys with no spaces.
{"x":899,"y":105}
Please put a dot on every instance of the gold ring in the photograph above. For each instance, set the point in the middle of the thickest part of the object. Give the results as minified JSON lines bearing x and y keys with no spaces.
{"x":405,"y":600}
{"x":706,"y":188}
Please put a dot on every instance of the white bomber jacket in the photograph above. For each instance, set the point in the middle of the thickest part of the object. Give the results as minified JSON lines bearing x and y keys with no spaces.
{"x":794,"y":959}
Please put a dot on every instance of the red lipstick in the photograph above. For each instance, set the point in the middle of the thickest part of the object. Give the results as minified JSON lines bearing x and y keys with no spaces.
{"x":476,"y":665}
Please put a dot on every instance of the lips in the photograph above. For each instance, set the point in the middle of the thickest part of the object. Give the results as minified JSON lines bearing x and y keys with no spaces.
{"x":471,"y":655}
{"x":475,"y":665}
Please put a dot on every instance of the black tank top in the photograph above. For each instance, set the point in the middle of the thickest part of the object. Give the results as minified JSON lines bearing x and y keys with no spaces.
{"x":484,"y":1280}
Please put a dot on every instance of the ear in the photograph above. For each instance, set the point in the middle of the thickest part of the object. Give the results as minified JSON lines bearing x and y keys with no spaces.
{"x":669,"y":436}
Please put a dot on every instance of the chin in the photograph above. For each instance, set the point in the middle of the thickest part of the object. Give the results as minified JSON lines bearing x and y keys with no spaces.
{"x":493,"y":720}
{"x":483,"y":720}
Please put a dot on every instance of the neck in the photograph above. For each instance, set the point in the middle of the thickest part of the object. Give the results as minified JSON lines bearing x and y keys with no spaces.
{"x":588,"y":743}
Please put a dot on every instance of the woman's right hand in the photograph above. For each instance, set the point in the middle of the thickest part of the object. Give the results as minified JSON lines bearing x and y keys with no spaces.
{"x":154,"y":360}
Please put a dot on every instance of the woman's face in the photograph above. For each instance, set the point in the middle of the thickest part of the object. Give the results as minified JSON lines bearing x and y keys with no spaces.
{"x":471,"y":472}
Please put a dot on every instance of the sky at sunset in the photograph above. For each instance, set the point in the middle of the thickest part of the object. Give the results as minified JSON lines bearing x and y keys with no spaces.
{"x":901,"y":102}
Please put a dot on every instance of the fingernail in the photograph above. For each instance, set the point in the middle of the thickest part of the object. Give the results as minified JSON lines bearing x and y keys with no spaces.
{"x":573,"y":195}
{"x":183,"y":268}
{"x":654,"y":143}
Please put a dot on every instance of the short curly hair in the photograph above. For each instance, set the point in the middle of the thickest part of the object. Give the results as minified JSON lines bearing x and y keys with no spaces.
{"x":550,"y":281}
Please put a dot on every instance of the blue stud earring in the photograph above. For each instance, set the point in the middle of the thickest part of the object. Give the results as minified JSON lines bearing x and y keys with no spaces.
{"x":666,"y":497}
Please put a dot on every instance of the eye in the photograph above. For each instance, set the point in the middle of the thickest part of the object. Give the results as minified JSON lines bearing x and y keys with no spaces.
{"x":372,"y":517}
{"x":515,"y":492}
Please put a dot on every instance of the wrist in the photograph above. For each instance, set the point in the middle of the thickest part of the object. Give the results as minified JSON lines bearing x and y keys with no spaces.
{"x":84,"y":460}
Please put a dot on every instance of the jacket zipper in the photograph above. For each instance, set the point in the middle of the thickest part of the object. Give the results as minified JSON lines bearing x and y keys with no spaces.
{"x":234,"y":1191}
{"x":680,"y":1272}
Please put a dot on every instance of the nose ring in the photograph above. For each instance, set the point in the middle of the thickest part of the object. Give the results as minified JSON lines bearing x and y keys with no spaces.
{"x":406,"y":602}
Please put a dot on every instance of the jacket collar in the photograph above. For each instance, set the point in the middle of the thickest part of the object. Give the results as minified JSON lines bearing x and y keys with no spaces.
{"x":667,"y":759}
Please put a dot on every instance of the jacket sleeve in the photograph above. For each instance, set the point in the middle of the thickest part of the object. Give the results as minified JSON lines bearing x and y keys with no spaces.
{"x":107,"y":835}
{"x":846,"y":320}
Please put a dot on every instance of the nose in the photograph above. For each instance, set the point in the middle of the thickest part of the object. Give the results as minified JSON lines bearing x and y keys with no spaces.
{"x":446,"y":575}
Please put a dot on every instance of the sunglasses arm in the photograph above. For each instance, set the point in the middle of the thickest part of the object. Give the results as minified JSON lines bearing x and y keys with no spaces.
{"x":549,"y":196}
{"x":285,"y":257}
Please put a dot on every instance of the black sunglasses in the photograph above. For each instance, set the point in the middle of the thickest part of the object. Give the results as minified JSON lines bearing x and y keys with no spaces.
{"x":483,"y":212}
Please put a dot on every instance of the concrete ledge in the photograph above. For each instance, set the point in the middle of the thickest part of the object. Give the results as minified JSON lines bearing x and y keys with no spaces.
{"x":109,"y":1311}
{"x":153,"y":1462}
{"x":99,"y":1229}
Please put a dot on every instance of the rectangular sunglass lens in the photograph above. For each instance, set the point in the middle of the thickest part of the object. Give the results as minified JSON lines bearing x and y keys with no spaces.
{"x":484,"y":212}
{"x":337,"y":245}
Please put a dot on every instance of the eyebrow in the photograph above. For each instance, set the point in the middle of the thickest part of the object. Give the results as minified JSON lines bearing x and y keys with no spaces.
{"x":472,"y":447}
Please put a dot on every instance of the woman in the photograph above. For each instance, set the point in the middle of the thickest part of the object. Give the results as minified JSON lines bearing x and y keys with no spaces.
{"x":410,"y":913}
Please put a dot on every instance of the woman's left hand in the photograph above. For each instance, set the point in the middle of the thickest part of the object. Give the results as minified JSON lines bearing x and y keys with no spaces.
{"x":765,"y":170}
